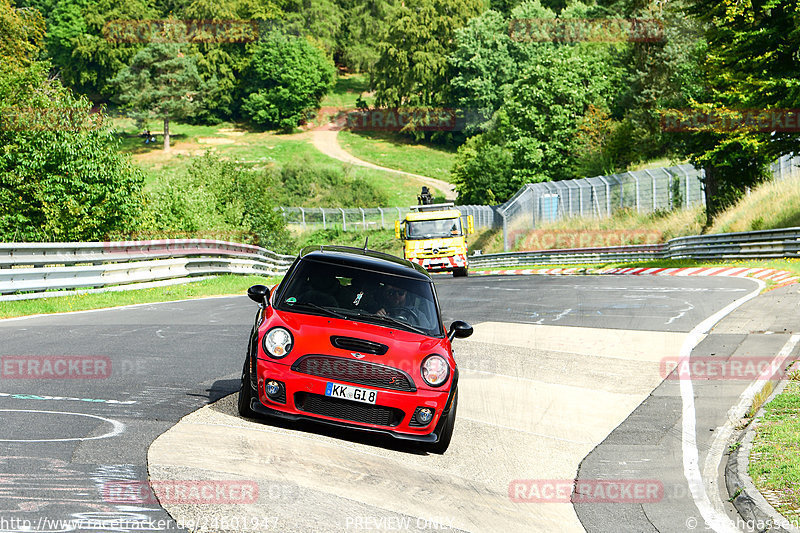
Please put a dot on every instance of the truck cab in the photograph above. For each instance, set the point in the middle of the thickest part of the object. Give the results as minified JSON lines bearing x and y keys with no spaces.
{"x":434,"y":237}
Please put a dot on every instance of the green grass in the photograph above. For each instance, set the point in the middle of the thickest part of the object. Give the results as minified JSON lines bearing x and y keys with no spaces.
{"x":399,"y":152}
{"x":346,"y":91}
{"x":769,"y":206}
{"x":775,"y":456}
{"x":257,"y":149}
{"x":220,"y":285}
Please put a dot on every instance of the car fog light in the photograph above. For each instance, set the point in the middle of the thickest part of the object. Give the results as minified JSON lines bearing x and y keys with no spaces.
{"x":273,"y":388}
{"x":424,"y":415}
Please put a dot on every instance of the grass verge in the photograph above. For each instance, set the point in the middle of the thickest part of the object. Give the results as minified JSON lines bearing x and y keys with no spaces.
{"x":217,"y":286}
{"x":775,"y":455}
{"x":399,"y":152}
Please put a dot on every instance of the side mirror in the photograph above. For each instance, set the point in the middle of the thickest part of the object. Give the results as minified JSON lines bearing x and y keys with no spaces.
{"x":259,"y":294}
{"x":459,"y":329}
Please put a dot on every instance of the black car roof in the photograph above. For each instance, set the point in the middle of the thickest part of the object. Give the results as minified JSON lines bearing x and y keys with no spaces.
{"x":366,"y":259}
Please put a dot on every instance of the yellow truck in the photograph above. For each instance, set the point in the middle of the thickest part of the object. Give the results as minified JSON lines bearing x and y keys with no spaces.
{"x":434,"y":237}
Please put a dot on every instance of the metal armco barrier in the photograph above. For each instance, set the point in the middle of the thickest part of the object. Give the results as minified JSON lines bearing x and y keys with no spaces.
{"x":765,"y":244}
{"x":66,"y":266}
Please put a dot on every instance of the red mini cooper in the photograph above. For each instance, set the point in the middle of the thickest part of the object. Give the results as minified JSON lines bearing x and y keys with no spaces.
{"x":353,"y":337}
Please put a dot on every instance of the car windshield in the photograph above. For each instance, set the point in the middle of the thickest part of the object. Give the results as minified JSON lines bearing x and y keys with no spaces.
{"x":427,"y":229}
{"x":342,"y":291}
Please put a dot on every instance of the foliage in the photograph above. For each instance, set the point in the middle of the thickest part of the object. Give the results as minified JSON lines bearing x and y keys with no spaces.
{"x":412,"y":68}
{"x":61,"y":177}
{"x":161,"y":82}
{"x":533,"y":137}
{"x":218,"y":197}
{"x":84,"y":56}
{"x":288,"y":77}
{"x":21,"y":34}
{"x":363,"y":24}
{"x":751,"y":64}
{"x":313,"y":185}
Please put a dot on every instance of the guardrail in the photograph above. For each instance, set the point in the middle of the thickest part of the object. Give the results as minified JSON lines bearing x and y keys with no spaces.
{"x":29,"y":269}
{"x":89,"y":265}
{"x":764,"y":244}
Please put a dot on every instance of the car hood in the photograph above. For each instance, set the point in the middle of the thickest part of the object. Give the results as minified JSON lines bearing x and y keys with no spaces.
{"x":312,"y":335}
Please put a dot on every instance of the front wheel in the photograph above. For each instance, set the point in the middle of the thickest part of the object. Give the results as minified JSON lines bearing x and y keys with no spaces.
{"x":447,"y":430}
{"x":246,"y":393}
{"x":460,"y":272}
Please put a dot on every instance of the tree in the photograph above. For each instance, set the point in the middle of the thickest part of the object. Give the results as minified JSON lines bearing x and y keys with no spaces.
{"x":161,"y":82}
{"x":752,"y":63}
{"x":534,"y":134}
{"x":287,"y":79}
{"x":61,"y":176}
{"x":21,"y":34}
{"x":364,"y":21}
{"x":412,"y":69}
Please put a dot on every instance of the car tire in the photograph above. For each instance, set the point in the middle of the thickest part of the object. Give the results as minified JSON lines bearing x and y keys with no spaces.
{"x":460,"y":273}
{"x":447,"y":430}
{"x":246,"y":394}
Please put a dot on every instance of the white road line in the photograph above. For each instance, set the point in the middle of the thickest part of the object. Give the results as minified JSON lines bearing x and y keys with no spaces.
{"x":722,"y":434}
{"x":717,"y":520}
{"x":117,"y":427}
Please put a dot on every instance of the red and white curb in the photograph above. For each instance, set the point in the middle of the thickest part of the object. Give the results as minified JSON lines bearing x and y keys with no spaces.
{"x":777,"y":276}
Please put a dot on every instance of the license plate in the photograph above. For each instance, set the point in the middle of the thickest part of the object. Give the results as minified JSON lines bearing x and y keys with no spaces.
{"x":335,"y":390}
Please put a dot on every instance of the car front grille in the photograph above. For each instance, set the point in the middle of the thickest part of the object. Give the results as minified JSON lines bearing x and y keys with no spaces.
{"x":348,"y":410}
{"x":351,"y":371}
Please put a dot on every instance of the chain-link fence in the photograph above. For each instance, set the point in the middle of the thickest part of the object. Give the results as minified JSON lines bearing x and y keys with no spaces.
{"x":643,"y":190}
{"x":786,"y":167}
{"x":364,"y":218}
{"x":660,"y":189}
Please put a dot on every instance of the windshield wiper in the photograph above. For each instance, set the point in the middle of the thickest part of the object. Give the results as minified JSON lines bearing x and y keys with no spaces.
{"x":327,"y":310}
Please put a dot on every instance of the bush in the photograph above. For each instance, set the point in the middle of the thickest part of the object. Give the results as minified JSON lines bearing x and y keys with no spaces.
{"x":288,"y":78}
{"x":218,"y":199}
{"x":61,"y":176}
{"x":314,"y":185}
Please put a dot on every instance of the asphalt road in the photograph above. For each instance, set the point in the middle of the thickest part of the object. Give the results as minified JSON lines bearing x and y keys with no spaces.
{"x":65,"y":441}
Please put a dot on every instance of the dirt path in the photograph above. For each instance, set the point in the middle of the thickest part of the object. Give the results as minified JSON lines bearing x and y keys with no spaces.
{"x":326,"y":142}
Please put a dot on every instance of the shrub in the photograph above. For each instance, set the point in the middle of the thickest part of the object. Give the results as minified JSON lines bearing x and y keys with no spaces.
{"x":288,"y":78}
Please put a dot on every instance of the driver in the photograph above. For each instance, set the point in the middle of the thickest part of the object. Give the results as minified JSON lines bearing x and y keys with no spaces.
{"x":395,"y":298}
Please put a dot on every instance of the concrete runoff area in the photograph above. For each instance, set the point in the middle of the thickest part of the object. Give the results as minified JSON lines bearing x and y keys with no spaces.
{"x":521,"y":418}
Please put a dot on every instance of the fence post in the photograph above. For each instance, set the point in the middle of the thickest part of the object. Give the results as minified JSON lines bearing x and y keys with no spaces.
{"x":653,"y":184}
{"x":636,"y":178}
{"x":303,"y":215}
{"x":344,"y":220}
{"x":324,"y":224}
{"x":363,"y":219}
{"x":505,"y":231}
{"x":608,"y":195}
{"x":383,"y":224}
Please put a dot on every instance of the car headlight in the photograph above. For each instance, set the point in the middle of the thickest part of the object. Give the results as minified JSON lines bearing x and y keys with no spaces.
{"x":278,"y":342}
{"x":435,"y":370}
